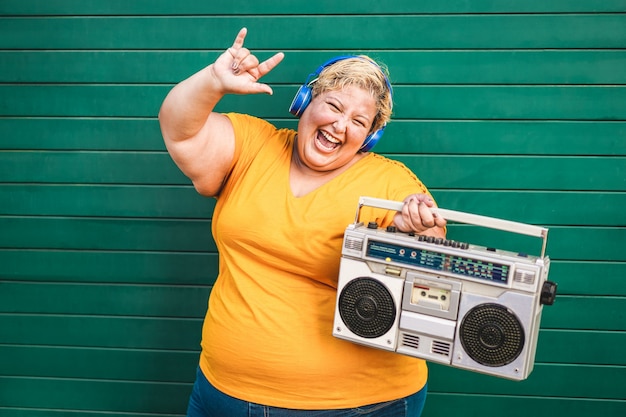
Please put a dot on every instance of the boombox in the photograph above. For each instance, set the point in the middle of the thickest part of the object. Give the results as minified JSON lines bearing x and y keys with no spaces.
{"x":448,"y":302}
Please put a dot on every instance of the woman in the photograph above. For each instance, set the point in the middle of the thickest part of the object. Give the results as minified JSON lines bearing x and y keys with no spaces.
{"x":284,"y":199}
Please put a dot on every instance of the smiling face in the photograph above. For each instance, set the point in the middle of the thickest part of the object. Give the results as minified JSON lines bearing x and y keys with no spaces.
{"x":333,"y":128}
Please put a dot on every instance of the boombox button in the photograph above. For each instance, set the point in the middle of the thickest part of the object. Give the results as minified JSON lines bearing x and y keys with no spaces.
{"x":391,"y":229}
{"x":390,"y":270}
{"x":372,"y":225}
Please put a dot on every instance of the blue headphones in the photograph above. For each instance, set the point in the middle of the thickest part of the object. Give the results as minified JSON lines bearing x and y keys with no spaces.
{"x":304,"y":94}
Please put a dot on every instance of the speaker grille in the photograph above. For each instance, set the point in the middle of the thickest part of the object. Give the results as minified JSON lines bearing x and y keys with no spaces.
{"x":353,"y":243}
{"x":524,"y":277}
{"x":492,"y":335}
{"x":366,"y":307}
{"x":410,"y":341}
{"x":441,"y":348}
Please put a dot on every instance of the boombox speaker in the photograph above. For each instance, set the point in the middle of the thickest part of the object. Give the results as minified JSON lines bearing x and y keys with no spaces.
{"x":449,"y":302}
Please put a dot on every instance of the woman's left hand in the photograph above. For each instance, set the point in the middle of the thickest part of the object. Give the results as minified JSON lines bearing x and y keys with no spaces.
{"x":416,"y":216}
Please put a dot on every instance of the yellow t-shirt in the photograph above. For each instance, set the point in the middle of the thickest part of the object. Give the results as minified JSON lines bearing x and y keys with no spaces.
{"x":267,"y":336}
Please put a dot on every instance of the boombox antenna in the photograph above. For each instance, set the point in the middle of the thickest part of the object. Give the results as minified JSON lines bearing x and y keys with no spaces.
{"x":467,"y":218}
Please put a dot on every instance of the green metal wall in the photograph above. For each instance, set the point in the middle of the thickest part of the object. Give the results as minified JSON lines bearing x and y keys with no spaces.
{"x":510,"y":108}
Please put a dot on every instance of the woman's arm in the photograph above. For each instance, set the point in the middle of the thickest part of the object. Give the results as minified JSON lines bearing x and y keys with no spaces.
{"x":200,"y":141}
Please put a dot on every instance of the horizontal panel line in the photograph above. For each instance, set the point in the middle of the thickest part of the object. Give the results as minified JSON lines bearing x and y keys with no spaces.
{"x":53,"y":185}
{"x":104,"y":316}
{"x":113,"y":218}
{"x":315,"y":51}
{"x":116,"y":184}
{"x":92,"y":151}
{"x":31,"y":151}
{"x":193,"y":318}
{"x":94,"y":185}
{"x":209,"y":219}
{"x":538,"y":120}
{"x":172,"y":285}
{"x":300,"y":50}
{"x":288,"y":15}
{"x":561,"y":192}
{"x":125,"y":381}
{"x":148,"y":284}
{"x":106,"y":348}
{"x":549,"y":190}
{"x":291,"y":119}
{"x":584,"y":331}
{"x":509,"y":156}
{"x":515,"y":120}
{"x":79,"y":117}
{"x":86,"y":250}
{"x":296,"y":84}
{"x":194,"y":253}
{"x":69,"y":150}
{"x":537,"y":397}
{"x":77,"y":411}
{"x":110,"y":251}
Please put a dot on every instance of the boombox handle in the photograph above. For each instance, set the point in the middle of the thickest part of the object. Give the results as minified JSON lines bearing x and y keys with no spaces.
{"x":458,"y":216}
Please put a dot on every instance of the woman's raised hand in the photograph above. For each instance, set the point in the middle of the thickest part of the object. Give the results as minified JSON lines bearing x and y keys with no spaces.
{"x":237,"y":70}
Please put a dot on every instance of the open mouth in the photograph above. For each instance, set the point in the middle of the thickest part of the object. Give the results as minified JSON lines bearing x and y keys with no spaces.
{"x":326,"y":141}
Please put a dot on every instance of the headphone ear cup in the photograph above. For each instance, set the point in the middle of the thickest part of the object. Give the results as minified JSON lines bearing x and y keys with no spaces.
{"x":301,"y":100}
{"x":371,"y":140}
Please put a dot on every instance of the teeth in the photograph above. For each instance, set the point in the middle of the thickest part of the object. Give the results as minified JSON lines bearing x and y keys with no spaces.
{"x":330,"y":138}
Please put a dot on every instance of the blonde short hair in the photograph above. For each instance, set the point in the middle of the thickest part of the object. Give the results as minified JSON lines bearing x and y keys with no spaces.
{"x":363,"y":72}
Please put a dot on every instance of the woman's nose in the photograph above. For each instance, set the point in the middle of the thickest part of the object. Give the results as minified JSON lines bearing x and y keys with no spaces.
{"x":340,"y":124}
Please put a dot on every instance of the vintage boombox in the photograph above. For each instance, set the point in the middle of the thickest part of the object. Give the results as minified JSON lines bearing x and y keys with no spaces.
{"x":454,"y":303}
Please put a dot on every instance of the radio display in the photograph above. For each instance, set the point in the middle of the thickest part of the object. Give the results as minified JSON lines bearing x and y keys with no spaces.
{"x":437,"y":261}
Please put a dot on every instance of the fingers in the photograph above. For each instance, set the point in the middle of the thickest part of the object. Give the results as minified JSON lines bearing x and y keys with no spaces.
{"x":240,"y":38}
{"x":238,"y":52}
{"x":269,"y":64}
{"x":244,"y":61}
{"x":417,"y":215}
{"x":240,"y":62}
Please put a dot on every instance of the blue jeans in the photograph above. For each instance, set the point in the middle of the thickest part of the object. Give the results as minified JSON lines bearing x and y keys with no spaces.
{"x":207,"y":401}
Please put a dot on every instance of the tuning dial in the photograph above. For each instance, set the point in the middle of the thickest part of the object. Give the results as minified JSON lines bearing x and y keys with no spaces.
{"x":548,"y":293}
